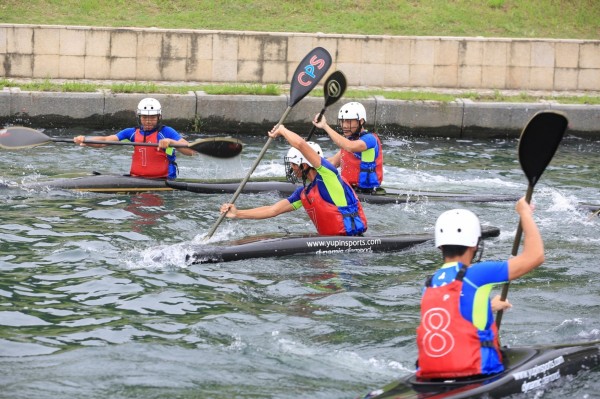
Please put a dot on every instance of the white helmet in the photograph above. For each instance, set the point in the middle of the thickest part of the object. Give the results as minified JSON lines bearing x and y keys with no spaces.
{"x":295,"y":156}
{"x":149,"y":106}
{"x":352,"y":110}
{"x":457,"y":227}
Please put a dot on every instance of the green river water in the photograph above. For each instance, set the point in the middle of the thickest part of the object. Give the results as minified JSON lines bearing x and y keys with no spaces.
{"x":97,"y":300}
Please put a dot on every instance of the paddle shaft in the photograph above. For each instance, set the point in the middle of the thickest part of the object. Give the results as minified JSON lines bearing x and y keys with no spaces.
{"x":21,"y":137}
{"x":252,"y":168}
{"x":86,"y":141}
{"x":312,"y":131}
{"x":217,"y":147}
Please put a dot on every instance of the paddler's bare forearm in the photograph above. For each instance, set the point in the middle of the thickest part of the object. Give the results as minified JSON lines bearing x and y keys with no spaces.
{"x":532,"y":255}
{"x":292,"y":138}
{"x":81,"y":140}
{"x":261,"y":212}
{"x":533,"y":245}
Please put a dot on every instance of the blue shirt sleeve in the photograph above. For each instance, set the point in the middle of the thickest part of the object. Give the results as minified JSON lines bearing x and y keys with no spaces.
{"x":369,"y":140}
{"x":295,"y":198}
{"x":170,"y":133}
{"x":126,"y":134}
{"x":488,"y":272}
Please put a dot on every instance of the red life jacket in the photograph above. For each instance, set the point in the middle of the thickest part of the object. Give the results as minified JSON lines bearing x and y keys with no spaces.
{"x":149,"y":161}
{"x":449,"y":345}
{"x":331,"y":220}
{"x":359,"y":173}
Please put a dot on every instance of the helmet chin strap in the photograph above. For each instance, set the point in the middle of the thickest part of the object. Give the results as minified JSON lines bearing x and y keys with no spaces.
{"x":479,"y":250}
{"x":305,"y":174}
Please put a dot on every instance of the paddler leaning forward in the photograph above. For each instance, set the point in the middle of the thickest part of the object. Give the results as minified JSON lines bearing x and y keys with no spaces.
{"x":329,"y":201}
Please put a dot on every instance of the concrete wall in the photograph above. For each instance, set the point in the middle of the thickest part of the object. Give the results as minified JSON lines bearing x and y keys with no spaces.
{"x":79,"y":52}
{"x":240,"y":115}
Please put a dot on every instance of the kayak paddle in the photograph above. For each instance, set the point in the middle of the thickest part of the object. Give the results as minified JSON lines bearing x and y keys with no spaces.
{"x":333,"y":89}
{"x":20,"y":137}
{"x":309,"y":72}
{"x":537,"y":145}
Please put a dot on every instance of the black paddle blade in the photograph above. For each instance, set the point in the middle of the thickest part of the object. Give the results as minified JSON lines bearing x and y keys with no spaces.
{"x":309,"y":72}
{"x":334,"y":87}
{"x":539,"y":141}
{"x":219,"y":147}
{"x":17,"y":137}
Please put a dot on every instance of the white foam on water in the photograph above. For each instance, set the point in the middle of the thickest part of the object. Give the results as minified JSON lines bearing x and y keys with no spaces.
{"x":269,"y":168}
{"x":416,"y":180}
{"x":205,"y":167}
{"x":158,"y":257}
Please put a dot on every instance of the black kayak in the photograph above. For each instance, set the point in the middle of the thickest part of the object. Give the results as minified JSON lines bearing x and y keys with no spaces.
{"x":101,"y":183}
{"x":381,"y":196}
{"x":111,"y":183}
{"x":282,"y":244}
{"x":527,"y":369}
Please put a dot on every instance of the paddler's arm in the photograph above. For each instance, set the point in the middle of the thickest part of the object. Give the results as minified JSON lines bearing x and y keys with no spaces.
{"x":299,"y":143}
{"x":262,"y":212}
{"x":336,"y":159}
{"x":339,"y":139}
{"x":165,"y":143}
{"x":80,"y":140}
{"x":533,"y":245}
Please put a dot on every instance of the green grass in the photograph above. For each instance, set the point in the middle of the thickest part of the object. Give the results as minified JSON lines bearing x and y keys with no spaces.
{"x":567,"y":19}
{"x":573,"y":19}
{"x":274,"y":90}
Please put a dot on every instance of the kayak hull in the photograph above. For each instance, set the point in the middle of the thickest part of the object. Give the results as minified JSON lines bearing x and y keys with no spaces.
{"x":527,"y":369}
{"x":275,"y":245}
{"x":381,"y":196}
{"x":100,"y":183}
{"x":109,"y":183}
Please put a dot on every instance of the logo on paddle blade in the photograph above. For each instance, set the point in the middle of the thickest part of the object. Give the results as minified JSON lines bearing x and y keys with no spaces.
{"x":307,"y":76}
{"x":308,"y":73}
{"x":333,"y":88}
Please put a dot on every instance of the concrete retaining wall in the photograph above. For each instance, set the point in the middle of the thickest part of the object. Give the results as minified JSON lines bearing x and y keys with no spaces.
{"x":233,"y":114}
{"x":97,"y":53}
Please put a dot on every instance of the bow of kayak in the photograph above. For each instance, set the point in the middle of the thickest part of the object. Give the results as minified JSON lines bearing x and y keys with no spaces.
{"x":99,"y":183}
{"x":527,"y":369}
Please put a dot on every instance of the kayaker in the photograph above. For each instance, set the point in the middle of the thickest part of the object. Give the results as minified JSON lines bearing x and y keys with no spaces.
{"x":457,"y":335}
{"x":361,"y":155}
{"x":329,"y":201}
{"x":151,"y":162}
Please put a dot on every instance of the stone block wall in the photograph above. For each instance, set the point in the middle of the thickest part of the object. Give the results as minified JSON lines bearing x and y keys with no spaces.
{"x":135,"y":54}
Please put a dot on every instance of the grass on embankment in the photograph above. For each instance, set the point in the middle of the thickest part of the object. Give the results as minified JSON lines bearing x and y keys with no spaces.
{"x":561,"y":19}
{"x":566,"y":19}
{"x":273,"y":90}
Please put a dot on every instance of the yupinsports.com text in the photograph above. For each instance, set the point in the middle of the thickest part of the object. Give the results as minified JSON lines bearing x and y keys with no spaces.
{"x":343,"y":246}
